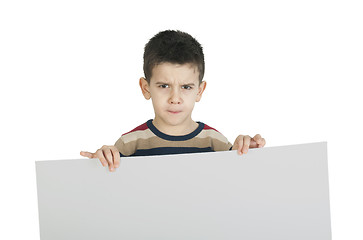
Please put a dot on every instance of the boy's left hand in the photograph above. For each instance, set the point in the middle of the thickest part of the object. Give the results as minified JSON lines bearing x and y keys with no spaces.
{"x":244,"y":142}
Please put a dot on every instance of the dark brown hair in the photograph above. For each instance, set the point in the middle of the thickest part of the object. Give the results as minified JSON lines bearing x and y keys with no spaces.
{"x":173,"y":47}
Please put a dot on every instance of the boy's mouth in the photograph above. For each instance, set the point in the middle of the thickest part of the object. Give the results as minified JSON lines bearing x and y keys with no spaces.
{"x":174,"y":112}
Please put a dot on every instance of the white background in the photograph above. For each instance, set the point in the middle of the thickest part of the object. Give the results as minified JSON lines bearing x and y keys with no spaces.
{"x":69,"y":71}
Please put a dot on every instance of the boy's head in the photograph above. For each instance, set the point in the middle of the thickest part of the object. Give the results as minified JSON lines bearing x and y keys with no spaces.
{"x":174,"y":69}
{"x":173,"y":47}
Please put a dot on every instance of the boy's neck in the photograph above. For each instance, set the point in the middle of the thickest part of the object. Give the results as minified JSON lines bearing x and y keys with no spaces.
{"x":179,"y":130}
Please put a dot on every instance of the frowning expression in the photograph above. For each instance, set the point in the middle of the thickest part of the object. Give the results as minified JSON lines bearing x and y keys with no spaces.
{"x":174,"y":89}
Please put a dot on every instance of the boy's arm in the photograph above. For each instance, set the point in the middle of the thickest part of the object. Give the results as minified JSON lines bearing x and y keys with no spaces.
{"x":244,"y":142}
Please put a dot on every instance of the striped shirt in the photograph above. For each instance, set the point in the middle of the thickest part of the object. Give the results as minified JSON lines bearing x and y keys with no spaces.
{"x":147,"y":140}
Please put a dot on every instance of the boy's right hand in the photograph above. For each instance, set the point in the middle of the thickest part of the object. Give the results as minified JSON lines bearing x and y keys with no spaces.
{"x":108,"y":155}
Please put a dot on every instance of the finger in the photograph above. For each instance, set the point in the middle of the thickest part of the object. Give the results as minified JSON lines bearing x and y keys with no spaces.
{"x":246,"y":143}
{"x":99,"y":155}
{"x":235,"y":147}
{"x":87,"y":154}
{"x":109,"y":157}
{"x":262,"y":144}
{"x":255,"y":141}
{"x":238,"y":143}
{"x":259,"y":140}
{"x":116,"y":157}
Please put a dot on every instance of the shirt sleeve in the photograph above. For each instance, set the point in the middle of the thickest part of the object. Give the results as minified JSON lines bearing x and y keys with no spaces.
{"x":125,"y":149}
{"x":221,"y":143}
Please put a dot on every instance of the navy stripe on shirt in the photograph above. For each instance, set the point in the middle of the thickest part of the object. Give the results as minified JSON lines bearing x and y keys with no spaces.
{"x":169,"y":150}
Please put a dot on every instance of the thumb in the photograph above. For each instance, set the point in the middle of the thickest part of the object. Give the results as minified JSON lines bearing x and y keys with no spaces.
{"x":87,"y":154}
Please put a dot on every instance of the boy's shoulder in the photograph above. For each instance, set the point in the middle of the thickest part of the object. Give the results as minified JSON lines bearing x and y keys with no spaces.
{"x":141,"y":127}
{"x":217,"y":137}
{"x":207,"y":127}
{"x":142,"y":131}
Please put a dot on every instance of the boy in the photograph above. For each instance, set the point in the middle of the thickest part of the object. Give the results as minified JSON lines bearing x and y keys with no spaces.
{"x":174,"y":70}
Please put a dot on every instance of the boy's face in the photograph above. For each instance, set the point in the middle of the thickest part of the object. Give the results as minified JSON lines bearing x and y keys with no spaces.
{"x":173,"y":89}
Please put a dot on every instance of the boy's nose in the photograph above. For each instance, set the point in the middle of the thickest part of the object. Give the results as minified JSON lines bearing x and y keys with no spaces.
{"x":175,"y":97}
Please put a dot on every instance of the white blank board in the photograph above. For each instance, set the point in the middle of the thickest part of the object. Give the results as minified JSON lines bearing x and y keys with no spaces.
{"x":270,"y":193}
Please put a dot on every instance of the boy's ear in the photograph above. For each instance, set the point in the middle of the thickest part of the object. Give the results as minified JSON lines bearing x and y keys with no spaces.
{"x":144,"y":85}
{"x":201,"y":90}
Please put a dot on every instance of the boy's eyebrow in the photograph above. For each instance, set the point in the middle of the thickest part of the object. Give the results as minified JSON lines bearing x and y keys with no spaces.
{"x":190,"y":84}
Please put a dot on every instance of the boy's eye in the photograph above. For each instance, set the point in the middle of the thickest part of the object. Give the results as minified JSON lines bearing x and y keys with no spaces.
{"x":187,"y":87}
{"x":164,"y":86}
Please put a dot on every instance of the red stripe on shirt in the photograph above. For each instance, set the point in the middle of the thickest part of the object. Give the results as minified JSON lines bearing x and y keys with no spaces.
{"x":206,"y":127}
{"x":139,"y":128}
